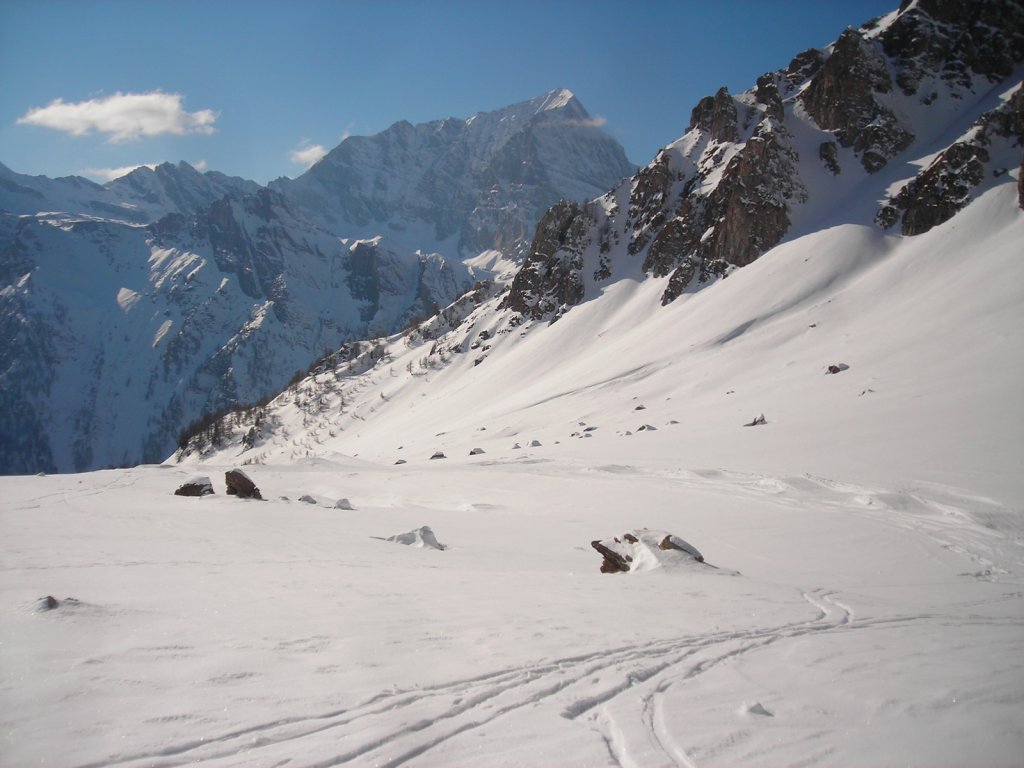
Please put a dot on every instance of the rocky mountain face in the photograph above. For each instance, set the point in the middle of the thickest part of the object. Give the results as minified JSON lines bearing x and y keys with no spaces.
{"x":117,"y":336}
{"x":462,"y":186}
{"x":749,"y":164}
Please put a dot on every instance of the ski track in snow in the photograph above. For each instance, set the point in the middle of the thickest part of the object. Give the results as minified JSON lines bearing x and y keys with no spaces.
{"x":408,"y":723}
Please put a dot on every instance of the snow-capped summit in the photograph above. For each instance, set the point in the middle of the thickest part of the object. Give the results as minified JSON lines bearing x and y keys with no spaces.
{"x":462,"y":186}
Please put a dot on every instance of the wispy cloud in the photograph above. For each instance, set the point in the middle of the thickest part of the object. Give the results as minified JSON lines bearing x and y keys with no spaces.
{"x":594,"y":122}
{"x":123,"y":116}
{"x":109,"y":174}
{"x":307,"y":154}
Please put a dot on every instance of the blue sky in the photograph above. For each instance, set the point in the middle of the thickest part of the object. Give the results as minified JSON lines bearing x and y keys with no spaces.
{"x":253,"y":89}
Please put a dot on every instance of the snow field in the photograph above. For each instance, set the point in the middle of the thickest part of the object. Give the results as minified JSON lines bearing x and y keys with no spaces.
{"x":235,"y":632}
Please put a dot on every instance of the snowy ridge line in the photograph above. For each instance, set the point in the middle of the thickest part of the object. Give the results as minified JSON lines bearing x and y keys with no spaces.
{"x":460,"y":704}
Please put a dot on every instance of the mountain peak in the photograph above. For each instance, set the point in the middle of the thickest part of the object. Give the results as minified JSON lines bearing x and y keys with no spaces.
{"x":557,"y":99}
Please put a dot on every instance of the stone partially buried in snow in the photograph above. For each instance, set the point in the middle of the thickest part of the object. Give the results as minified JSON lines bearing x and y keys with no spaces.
{"x":438,"y":455}
{"x":343,"y":504}
{"x":197,"y":486}
{"x":476,"y":452}
{"x":837,"y":368}
{"x":240,"y":485}
{"x":646,"y":550}
{"x":421,"y":537}
{"x":757,"y":422}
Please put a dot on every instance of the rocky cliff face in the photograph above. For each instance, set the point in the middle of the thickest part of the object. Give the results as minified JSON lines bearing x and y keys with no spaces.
{"x":462,"y":186}
{"x":729,"y":189}
{"x":118,"y":336}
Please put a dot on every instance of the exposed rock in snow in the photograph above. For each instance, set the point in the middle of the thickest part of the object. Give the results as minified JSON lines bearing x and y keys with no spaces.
{"x":343,"y":504}
{"x":837,"y":368}
{"x":645,"y":550}
{"x":240,"y":485}
{"x":197,"y":486}
{"x":757,"y":421}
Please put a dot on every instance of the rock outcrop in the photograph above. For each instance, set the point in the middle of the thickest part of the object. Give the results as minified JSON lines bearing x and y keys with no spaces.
{"x":644,"y":550}
{"x":197,"y":486}
{"x":952,"y":179}
{"x":240,"y":485}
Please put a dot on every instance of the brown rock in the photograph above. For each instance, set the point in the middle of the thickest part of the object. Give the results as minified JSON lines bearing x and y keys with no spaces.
{"x":240,"y":485}
{"x":197,"y":486}
{"x":613,"y":561}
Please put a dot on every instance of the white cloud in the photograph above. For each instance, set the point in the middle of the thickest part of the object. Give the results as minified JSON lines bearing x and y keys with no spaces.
{"x":123,"y":116}
{"x":200,"y":165}
{"x":109,"y":174}
{"x":307,"y":155}
{"x":594,"y":122}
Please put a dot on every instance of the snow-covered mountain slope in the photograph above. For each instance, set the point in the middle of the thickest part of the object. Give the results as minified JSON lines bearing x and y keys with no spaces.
{"x":839,"y":136}
{"x":920,"y":318}
{"x":139,"y":197}
{"x":118,"y":336}
{"x":462,"y":186}
{"x":921,"y":327}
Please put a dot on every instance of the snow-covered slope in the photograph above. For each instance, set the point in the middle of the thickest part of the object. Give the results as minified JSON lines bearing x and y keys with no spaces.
{"x":462,"y":186}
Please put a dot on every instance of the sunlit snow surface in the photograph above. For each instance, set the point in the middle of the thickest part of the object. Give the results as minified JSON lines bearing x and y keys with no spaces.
{"x":876,"y":626}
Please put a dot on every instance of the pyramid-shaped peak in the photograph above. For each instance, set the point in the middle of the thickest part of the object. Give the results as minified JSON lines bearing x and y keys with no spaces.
{"x":557,"y":99}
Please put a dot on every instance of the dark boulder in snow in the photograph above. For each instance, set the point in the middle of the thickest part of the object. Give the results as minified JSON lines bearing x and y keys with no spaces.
{"x":307,"y":499}
{"x":197,"y":486}
{"x":401,"y":461}
{"x":837,"y":368}
{"x":757,"y":422}
{"x":240,"y":485}
{"x":476,"y":451}
{"x":644,"y":550}
{"x":343,"y":504}
{"x":438,"y":455}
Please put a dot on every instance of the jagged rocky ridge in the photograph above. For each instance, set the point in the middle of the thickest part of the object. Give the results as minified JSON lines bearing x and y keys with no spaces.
{"x":728,"y":190}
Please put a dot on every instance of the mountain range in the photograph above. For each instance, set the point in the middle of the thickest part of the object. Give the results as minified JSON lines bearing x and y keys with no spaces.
{"x":133,"y":308}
